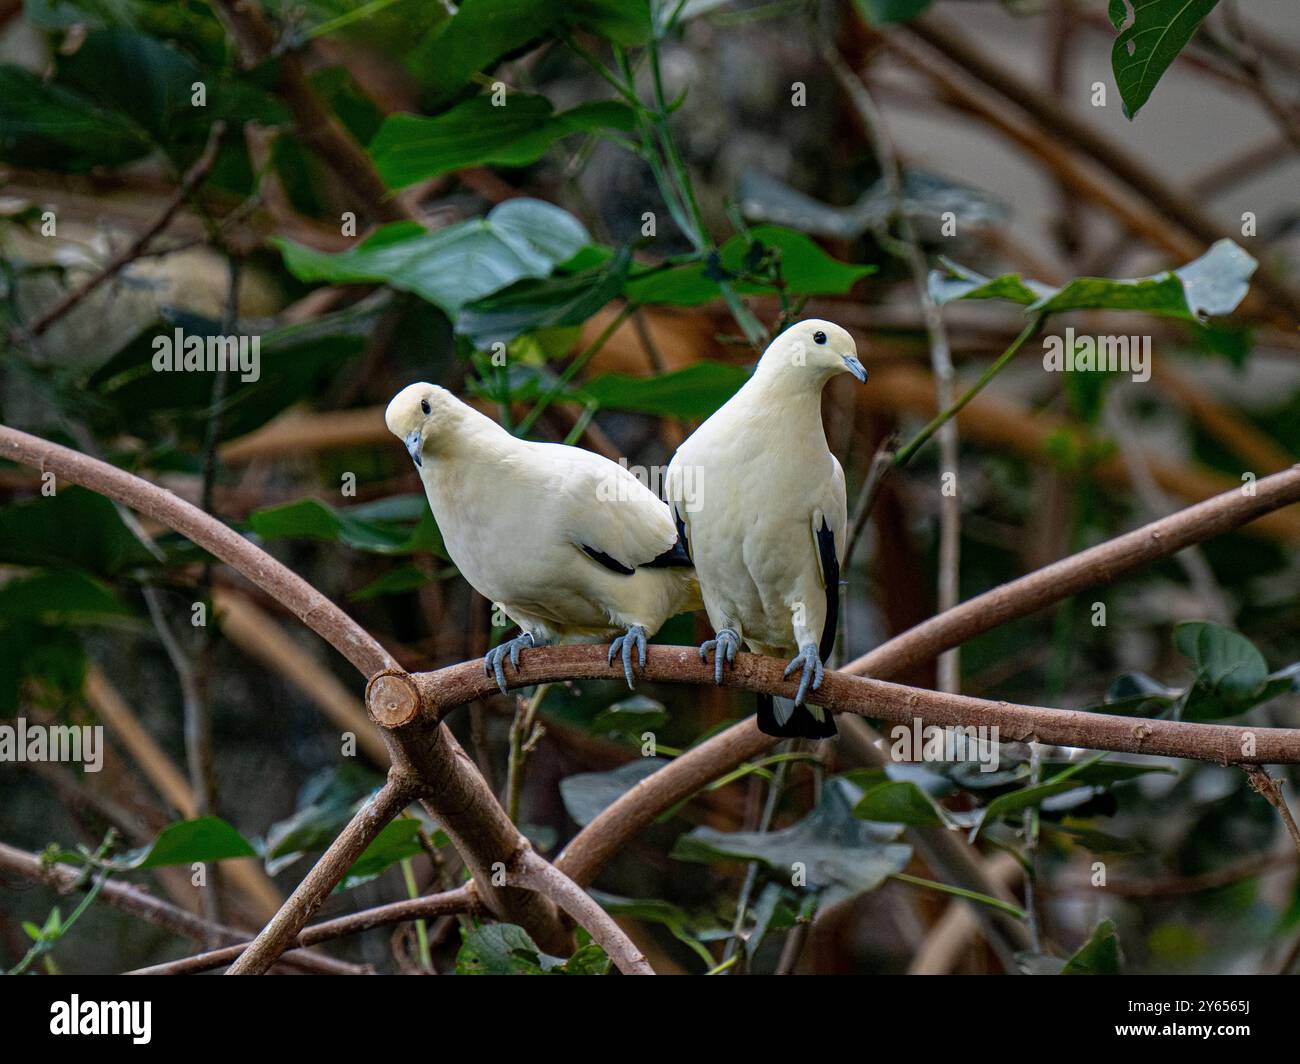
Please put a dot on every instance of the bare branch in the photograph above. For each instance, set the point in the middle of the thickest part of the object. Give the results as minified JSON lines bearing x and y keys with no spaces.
{"x":327,"y":873}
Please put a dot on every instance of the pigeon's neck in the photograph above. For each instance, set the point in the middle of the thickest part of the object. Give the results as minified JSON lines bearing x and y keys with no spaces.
{"x":789,"y":393}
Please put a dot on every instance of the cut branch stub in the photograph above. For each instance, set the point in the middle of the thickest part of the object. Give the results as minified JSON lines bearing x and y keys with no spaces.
{"x":392,"y":699}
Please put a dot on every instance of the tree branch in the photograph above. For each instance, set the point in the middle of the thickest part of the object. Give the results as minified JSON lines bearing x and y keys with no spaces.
{"x":325,"y":875}
{"x":139,"y":902}
{"x":592,"y":847}
{"x":462,"y":899}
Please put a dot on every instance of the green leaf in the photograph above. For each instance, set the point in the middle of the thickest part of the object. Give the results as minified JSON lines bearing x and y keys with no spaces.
{"x":64,"y":595}
{"x":1231,"y":674}
{"x":631,"y":716}
{"x":325,"y":804}
{"x":537,"y":306}
{"x":499,"y":949}
{"x":1100,"y":955}
{"x":1213,"y":284}
{"x":680,"y":924}
{"x":48,"y":127}
{"x":296,"y":361}
{"x":1018,"y":801}
{"x":410,"y":148}
{"x":204,"y":839}
{"x":842,"y":855}
{"x":900,"y":802}
{"x":481,"y":32}
{"x":453,"y":266}
{"x":398,"y":580}
{"x":886,"y":12}
{"x":1135,"y":694}
{"x":381,"y":527}
{"x":693,"y":392}
{"x":625,"y":22}
{"x":806,"y":269}
{"x":73,"y":527}
{"x":398,"y":840}
{"x":1142,"y":52}
{"x":588,"y":794}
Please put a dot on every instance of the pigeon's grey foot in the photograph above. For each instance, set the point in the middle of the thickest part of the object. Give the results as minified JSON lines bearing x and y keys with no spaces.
{"x":724,"y":649}
{"x":494,"y":660}
{"x":635,"y":637}
{"x":813,"y":671}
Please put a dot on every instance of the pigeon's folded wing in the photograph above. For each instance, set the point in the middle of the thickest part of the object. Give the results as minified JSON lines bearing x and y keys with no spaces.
{"x":607,"y":512}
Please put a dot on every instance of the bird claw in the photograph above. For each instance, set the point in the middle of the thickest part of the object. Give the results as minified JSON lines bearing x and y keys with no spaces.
{"x":813,"y":670}
{"x":494,"y":659}
{"x":635,"y":637}
{"x":723,"y":647}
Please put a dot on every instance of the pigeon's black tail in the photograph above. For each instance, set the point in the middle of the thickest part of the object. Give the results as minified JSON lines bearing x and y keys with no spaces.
{"x":801,"y":724}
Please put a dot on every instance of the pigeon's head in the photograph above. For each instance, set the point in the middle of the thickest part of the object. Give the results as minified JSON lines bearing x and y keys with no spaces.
{"x":419,"y":415}
{"x":818,"y":347}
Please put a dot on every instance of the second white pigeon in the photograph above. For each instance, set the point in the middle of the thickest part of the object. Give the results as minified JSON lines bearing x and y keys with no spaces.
{"x":572,"y":546}
{"x":765,"y":518}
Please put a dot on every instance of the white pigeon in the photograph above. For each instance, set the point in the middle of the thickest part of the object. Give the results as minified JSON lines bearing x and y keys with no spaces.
{"x":761,"y":501}
{"x":570,"y":545}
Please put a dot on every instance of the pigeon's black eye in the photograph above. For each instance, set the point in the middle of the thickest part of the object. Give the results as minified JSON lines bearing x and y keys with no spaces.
{"x":819,"y":337}
{"x":424,"y":405}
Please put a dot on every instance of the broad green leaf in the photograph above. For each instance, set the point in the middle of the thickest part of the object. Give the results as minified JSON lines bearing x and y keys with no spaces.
{"x":1213,"y":284}
{"x":398,"y":840}
{"x":398,"y":580}
{"x":381,"y":527}
{"x":325,"y":804}
{"x":806,"y":269}
{"x":480,"y":33}
{"x":73,"y":527}
{"x":48,"y":127}
{"x":1135,"y":694}
{"x":52,"y":654}
{"x":625,"y":22}
{"x":588,"y":794}
{"x":295,"y":361}
{"x":1143,"y":51}
{"x":506,"y":949}
{"x":206,"y":838}
{"x":453,"y":266}
{"x":63,"y":595}
{"x":693,"y":392}
{"x":1100,"y":955}
{"x":885,"y":12}
{"x":410,"y":148}
{"x":538,"y":306}
{"x":1231,"y":674}
{"x":842,"y":855}
{"x":1018,"y":801}
{"x":500,"y":949}
{"x":900,"y":802}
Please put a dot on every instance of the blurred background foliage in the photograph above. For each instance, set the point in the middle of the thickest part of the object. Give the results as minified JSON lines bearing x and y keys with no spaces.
{"x":627,"y":198}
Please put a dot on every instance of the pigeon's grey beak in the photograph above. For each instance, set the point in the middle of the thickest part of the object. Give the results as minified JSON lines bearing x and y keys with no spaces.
{"x":414,"y":445}
{"x":856,"y":368}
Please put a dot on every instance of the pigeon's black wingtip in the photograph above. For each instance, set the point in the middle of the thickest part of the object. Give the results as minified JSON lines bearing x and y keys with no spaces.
{"x":801,"y":724}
